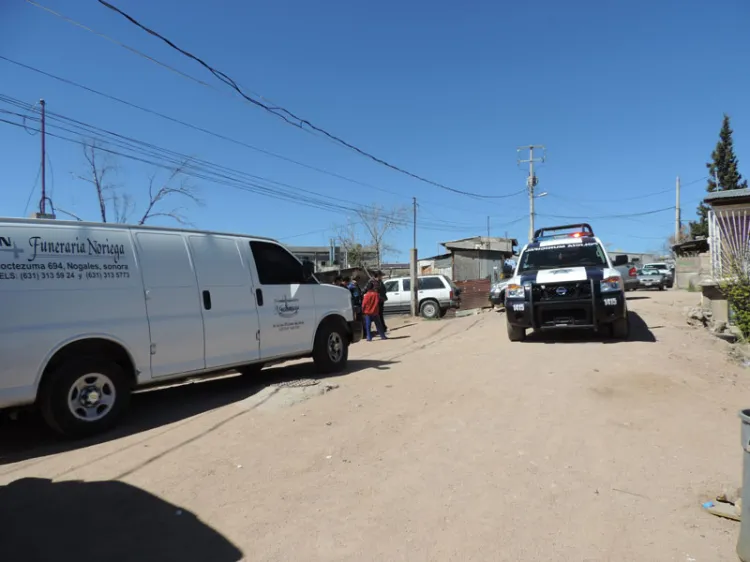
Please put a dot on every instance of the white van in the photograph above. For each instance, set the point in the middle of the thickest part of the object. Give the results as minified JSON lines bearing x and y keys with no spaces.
{"x":90,"y":311}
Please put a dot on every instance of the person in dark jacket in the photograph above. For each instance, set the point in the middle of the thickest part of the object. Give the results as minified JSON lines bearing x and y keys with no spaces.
{"x":376,"y":284}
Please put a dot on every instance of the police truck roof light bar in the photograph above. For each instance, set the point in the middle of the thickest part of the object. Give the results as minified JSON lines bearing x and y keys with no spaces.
{"x":583,"y":229}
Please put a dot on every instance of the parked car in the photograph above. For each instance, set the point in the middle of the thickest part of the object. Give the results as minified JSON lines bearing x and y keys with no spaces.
{"x":436,"y":295}
{"x":665,"y":270}
{"x":91,"y":311}
{"x":497,"y":292}
{"x":628,"y":271}
{"x":651,"y":279}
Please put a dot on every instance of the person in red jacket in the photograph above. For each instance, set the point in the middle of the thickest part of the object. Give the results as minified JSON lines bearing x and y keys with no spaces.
{"x":371,"y":310}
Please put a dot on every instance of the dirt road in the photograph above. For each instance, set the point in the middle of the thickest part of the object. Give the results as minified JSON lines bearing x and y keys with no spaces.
{"x":445,"y":443}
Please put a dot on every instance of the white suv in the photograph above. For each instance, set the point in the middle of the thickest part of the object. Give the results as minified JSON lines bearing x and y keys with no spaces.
{"x":436,"y":293}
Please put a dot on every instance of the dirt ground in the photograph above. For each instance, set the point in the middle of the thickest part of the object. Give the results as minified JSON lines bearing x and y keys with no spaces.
{"x":445,"y":443}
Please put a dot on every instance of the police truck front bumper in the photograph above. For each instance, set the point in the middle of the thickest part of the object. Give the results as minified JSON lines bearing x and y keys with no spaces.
{"x":543,"y":308}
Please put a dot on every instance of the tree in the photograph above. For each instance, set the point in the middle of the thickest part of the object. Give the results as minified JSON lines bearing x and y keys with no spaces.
{"x":377,"y":223}
{"x":724,"y":166}
{"x":111,"y":197}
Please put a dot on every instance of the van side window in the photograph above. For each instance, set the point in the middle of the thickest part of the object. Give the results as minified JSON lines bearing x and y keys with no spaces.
{"x":275,"y":265}
{"x":430,"y":283}
{"x":391,"y":286}
{"x":406,"y":284}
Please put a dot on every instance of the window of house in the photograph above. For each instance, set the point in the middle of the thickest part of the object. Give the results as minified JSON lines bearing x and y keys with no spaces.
{"x":275,"y":265}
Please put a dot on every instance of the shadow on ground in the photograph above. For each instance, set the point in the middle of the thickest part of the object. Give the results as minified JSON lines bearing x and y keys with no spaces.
{"x":639,"y":332}
{"x":29,"y":437}
{"x":113,"y":521}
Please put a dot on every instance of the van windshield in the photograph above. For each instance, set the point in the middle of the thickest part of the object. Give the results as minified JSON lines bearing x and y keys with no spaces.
{"x":563,"y":255}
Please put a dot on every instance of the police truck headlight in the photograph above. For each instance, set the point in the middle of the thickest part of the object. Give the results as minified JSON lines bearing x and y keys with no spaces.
{"x":611,"y":284}
{"x":514,"y":292}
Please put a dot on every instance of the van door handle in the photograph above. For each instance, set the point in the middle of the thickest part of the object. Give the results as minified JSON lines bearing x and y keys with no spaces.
{"x":259,"y":297}
{"x":207,"y":300}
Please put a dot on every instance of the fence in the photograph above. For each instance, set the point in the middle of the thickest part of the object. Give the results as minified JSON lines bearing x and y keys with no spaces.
{"x":729,"y":241}
{"x":474,"y":294}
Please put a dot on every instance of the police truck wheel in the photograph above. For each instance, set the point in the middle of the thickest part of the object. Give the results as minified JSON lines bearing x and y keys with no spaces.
{"x":516,"y":333}
{"x":84,"y":397}
{"x":620,"y":328}
{"x":331,"y":350}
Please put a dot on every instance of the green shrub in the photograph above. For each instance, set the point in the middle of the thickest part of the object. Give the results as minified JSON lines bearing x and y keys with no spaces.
{"x":737,"y":291}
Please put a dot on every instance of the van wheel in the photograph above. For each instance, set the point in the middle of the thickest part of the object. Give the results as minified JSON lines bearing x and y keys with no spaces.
{"x":515,"y":333}
{"x":429,"y":309}
{"x":620,"y":328}
{"x":331,"y":350}
{"x":85,"y":396}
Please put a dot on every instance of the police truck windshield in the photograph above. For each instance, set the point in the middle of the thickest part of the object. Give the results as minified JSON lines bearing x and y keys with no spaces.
{"x":563,"y":255}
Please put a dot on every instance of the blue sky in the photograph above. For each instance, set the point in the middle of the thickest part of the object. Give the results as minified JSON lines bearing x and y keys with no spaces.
{"x":625,"y":95}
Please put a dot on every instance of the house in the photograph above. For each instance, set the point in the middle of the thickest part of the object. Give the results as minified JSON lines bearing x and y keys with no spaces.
{"x":728,"y":243}
{"x":479,"y":257}
{"x":331,"y":257}
{"x":436,"y":265}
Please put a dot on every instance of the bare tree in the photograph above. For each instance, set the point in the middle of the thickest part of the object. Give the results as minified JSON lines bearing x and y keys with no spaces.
{"x":177,"y":185}
{"x":377,"y":223}
{"x":349,"y":239}
{"x":100,"y":172}
{"x":115,"y":205}
{"x":673,"y":239}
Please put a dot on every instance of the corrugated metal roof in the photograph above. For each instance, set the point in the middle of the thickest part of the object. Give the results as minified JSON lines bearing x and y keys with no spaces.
{"x":727,"y":194}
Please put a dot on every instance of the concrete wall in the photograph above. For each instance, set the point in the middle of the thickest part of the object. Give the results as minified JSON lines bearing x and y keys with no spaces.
{"x":690,"y":271}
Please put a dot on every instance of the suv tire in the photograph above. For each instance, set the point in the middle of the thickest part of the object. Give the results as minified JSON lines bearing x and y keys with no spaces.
{"x":429,"y":309}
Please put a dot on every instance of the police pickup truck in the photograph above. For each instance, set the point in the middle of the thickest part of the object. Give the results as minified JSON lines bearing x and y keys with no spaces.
{"x":566,"y":280}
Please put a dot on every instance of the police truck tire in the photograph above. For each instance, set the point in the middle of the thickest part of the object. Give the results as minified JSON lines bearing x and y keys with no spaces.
{"x":620,"y":328}
{"x":516,"y":333}
{"x":331,"y":349}
{"x":85,"y":396}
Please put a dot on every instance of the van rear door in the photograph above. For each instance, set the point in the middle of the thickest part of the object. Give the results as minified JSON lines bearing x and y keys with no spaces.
{"x":230,"y":317}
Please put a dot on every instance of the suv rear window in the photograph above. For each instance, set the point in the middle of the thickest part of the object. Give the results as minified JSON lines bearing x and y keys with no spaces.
{"x":431,"y":283}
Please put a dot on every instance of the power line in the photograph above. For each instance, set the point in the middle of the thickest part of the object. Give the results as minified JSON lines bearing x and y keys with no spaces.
{"x":284,"y":114}
{"x":197,"y":168}
{"x":624,"y":216}
{"x":655,"y":193}
{"x":216,"y":134}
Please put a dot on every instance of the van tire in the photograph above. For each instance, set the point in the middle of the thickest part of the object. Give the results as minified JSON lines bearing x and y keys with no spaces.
{"x":516,"y":333}
{"x":101,"y":375}
{"x":429,"y":309}
{"x":331,"y":348}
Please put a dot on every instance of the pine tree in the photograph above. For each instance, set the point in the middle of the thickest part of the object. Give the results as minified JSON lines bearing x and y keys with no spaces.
{"x":724,"y":166}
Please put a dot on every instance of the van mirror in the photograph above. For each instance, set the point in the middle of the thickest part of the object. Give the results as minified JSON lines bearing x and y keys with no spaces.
{"x":620,"y":259}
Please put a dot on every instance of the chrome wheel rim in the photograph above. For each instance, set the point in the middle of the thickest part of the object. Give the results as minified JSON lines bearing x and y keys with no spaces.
{"x":91,"y":397}
{"x":335,"y":347}
{"x":429,"y":310}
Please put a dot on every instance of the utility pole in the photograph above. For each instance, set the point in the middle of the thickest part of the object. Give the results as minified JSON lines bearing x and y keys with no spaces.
{"x":413,"y":265}
{"x":677,"y":221}
{"x":43,"y":202}
{"x":488,"y":233}
{"x":531,"y":181}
